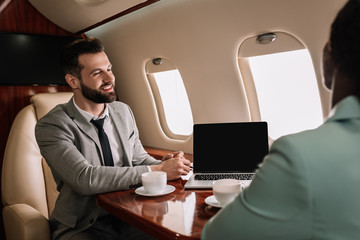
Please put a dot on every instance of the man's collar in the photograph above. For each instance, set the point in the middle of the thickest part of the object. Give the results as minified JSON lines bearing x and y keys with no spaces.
{"x":347,"y":108}
{"x":89,"y":116}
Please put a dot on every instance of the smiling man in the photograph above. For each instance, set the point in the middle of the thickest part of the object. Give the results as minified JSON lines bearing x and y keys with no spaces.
{"x":92,"y":146}
{"x":95,"y":85}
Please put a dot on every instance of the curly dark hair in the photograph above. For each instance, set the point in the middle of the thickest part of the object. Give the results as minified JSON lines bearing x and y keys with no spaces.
{"x":345,"y":48}
{"x":70,"y":54}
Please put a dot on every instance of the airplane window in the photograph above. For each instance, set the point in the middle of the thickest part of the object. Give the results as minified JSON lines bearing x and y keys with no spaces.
{"x":175,"y":102}
{"x":281,"y":84}
{"x":287,"y":92}
{"x":171,"y":99}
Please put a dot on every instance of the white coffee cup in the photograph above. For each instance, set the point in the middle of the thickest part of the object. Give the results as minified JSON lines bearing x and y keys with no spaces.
{"x":225,"y":190}
{"x":154,"y":182}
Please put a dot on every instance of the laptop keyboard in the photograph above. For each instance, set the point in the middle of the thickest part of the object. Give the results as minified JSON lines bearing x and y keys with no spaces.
{"x":238,"y":176}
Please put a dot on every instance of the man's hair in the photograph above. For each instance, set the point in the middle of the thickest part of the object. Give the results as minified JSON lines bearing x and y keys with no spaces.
{"x":70,"y":55}
{"x":344,"y":40}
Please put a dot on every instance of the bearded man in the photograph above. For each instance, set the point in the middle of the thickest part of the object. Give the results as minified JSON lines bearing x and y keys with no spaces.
{"x":92,"y":146}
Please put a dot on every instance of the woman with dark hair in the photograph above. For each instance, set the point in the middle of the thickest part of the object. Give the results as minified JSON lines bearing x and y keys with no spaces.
{"x":307,"y":187}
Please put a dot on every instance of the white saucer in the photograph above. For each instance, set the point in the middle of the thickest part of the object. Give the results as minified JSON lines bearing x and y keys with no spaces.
{"x":213,"y":202}
{"x":141,"y":191}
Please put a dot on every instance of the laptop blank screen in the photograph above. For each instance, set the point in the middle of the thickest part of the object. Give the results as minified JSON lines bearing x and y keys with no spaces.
{"x":229,"y":147}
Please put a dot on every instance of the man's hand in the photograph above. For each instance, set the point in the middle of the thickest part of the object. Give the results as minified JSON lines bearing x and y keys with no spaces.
{"x":172,"y":155}
{"x":174,"y":164}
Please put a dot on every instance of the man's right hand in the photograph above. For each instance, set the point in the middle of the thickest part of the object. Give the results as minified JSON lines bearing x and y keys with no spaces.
{"x":174,"y":165}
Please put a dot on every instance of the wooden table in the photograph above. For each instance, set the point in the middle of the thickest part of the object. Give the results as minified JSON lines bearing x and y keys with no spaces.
{"x":181,"y":214}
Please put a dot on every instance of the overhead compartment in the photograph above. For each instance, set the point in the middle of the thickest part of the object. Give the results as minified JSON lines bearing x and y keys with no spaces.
{"x":76,"y":16}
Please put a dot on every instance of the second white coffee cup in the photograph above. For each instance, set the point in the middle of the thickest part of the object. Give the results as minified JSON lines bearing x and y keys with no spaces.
{"x":154,"y":182}
{"x":225,"y":190}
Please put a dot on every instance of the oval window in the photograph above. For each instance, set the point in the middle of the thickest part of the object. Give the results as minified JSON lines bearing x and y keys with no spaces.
{"x":281,"y":84}
{"x":171,"y":99}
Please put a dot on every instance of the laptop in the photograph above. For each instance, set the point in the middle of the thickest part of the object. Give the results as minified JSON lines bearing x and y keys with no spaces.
{"x":227,"y":150}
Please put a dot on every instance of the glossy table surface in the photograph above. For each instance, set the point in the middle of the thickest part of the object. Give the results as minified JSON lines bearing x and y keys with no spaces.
{"x":181,"y":214}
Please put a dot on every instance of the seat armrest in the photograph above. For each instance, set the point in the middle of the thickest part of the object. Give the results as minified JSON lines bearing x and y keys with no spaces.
{"x":23,"y":222}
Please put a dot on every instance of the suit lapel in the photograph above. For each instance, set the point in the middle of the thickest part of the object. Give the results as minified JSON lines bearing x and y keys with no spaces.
{"x":82,"y":123}
{"x":119,"y":123}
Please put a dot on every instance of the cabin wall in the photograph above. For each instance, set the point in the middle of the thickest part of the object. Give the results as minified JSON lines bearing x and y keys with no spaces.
{"x":202,"y":39}
{"x":19,"y":16}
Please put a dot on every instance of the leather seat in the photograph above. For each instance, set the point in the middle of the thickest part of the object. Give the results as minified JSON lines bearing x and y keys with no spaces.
{"x":28,"y":188}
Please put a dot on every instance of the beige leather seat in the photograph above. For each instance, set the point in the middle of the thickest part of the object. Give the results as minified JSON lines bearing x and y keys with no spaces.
{"x":28,"y":189}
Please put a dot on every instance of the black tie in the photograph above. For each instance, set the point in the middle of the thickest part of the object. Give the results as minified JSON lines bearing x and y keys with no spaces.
{"x":104,"y":141}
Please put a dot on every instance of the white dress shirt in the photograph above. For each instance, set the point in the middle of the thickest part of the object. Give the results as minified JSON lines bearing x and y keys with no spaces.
{"x":110,"y":130}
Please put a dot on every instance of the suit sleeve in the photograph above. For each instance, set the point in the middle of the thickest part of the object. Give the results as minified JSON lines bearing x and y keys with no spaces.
{"x":275,"y":206}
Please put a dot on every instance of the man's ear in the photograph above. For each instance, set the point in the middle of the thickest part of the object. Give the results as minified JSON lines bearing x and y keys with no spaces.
{"x":328,"y":67}
{"x":73,"y":81}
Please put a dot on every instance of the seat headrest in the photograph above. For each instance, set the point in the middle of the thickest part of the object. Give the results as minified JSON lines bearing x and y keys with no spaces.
{"x":44,"y":102}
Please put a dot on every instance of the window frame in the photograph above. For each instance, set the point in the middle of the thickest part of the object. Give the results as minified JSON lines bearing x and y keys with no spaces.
{"x":250,"y":48}
{"x":151,"y":69}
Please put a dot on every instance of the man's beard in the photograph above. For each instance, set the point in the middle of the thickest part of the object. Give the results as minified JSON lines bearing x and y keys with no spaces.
{"x":96,"y":95}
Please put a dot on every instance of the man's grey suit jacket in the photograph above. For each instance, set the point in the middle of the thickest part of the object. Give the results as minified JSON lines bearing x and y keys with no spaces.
{"x":71,"y":147}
